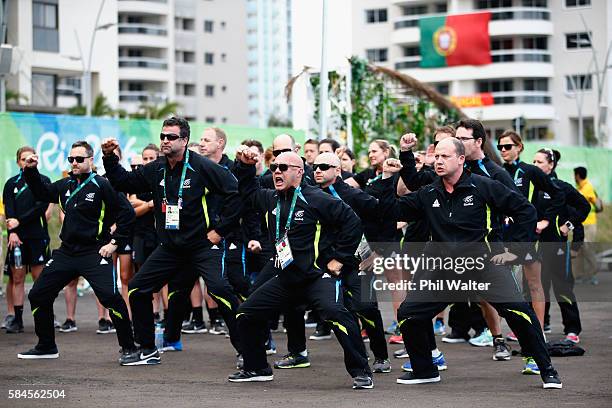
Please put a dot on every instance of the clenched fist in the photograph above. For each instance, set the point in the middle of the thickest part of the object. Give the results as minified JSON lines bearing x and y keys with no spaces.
{"x":408,"y":141}
{"x":109,"y":145}
{"x":31,"y":161}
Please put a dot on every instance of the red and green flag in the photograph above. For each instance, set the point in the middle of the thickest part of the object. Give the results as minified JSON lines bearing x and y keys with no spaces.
{"x":455,"y":40}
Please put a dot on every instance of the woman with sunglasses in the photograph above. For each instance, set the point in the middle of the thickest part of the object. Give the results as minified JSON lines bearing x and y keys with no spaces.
{"x":530,"y":180}
{"x":383,"y":234}
{"x":556,"y":249}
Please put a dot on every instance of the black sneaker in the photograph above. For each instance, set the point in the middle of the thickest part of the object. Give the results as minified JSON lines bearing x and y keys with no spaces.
{"x":104,"y":327}
{"x":265,"y":374}
{"x":363,"y":382}
{"x":381,"y":366}
{"x":68,"y":326}
{"x":7,"y":321}
{"x":551,"y":380}
{"x":111,"y":326}
{"x":217,"y":327}
{"x":140,"y":357}
{"x":14,"y":327}
{"x":410,"y":378}
{"x":456,"y":337}
{"x":185,"y":323}
{"x":323,"y":332}
{"x":36,"y":353}
{"x":292,"y":361}
{"x":194,"y":327}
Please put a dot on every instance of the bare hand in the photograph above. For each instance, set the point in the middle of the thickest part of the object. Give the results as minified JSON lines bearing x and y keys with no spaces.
{"x":429,"y":155}
{"x":340,"y":152}
{"x":107,"y":250}
{"x":213,"y":237}
{"x":334,"y":267}
{"x":12,"y":223}
{"x":254,"y":246}
{"x":109,"y":145}
{"x":564,"y":230}
{"x":13,"y":241}
{"x":408,"y":141}
{"x":31,"y":161}
{"x":391,"y":166}
{"x":504,"y":258}
{"x":368,"y":263}
{"x":246,"y":155}
{"x":541,"y":226}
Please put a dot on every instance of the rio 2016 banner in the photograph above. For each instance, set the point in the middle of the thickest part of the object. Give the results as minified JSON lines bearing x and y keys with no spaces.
{"x":52,"y":136}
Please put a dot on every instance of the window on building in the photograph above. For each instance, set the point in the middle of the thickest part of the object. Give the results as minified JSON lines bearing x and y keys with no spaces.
{"x":577,"y":3}
{"x":414,"y":10}
{"x":577,"y":40}
{"x":208,"y":26}
{"x":376,"y":16}
{"x":209,"y":58}
{"x":535,"y":43}
{"x":377,"y":55}
{"x":441,"y":8}
{"x":535,"y":84}
{"x":223,"y":120}
{"x":486,"y":4}
{"x":223,"y":56}
{"x":43,"y":89}
{"x":188,"y":24}
{"x":223,"y":88}
{"x":442,"y":87}
{"x":209,"y":91}
{"x":413,"y":51}
{"x":223,"y":25}
{"x":578,"y":82}
{"x":535,"y":3}
{"x":502,"y":44}
{"x":536,"y":133}
{"x":209,"y":119}
{"x":496,"y":85}
{"x":45,"y":26}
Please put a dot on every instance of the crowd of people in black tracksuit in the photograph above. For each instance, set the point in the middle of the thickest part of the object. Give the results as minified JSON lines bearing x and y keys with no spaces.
{"x":301,"y":235}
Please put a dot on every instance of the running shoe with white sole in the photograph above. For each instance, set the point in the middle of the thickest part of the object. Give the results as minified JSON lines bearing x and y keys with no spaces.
{"x":140,"y":357}
{"x":401,"y":353}
{"x":552,"y":381}
{"x":265,"y":374}
{"x":381,"y":366}
{"x":502,"y":350}
{"x":511,"y":337}
{"x":68,"y":326}
{"x":573,"y":337}
{"x":36,"y":353}
{"x":7,"y":321}
{"x":455,"y":337}
{"x":292,"y":361}
{"x":194,"y":328}
{"x":410,"y":378}
{"x":531,"y":368}
{"x":363,"y":382}
{"x":439,"y":361}
{"x":439,"y":328}
{"x":172,"y":346}
{"x":484,"y":339}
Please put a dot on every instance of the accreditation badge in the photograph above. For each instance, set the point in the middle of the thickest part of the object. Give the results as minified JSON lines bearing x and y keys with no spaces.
{"x":283,"y":252}
{"x":172,"y":217}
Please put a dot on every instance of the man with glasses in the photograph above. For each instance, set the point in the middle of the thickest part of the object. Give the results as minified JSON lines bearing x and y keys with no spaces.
{"x":91,"y":207}
{"x":187,"y":236}
{"x":282,"y":144}
{"x":456,"y":205}
{"x":295,"y":209}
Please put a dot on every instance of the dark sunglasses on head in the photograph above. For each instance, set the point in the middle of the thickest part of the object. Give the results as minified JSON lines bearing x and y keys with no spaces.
{"x":79,"y":159}
{"x":282,"y":167}
{"x":170,"y":136}
{"x":135,"y":166}
{"x":322,"y":166}
{"x":507,"y":146}
{"x":278,"y":152}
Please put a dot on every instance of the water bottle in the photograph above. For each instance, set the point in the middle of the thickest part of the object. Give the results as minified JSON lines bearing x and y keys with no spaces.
{"x":159,"y":337}
{"x":17,"y":258}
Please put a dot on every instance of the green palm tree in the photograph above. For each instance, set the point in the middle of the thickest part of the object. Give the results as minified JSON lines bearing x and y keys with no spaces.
{"x":154,"y":111}
{"x":99,"y":108}
{"x":14,"y":97}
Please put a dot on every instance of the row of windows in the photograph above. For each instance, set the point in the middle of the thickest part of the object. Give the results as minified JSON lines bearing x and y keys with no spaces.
{"x":188,"y":57}
{"x":188,"y":24}
{"x":190,"y":89}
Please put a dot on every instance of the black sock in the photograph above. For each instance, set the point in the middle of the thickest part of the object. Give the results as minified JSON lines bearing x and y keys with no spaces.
{"x":497,"y":336}
{"x":213,"y":314}
{"x":19,"y":314}
{"x":197,"y":314}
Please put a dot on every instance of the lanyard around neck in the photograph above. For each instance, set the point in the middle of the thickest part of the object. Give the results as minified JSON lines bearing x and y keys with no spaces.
{"x":296,"y":193}
{"x":183,"y":173}
{"x":80,"y":187}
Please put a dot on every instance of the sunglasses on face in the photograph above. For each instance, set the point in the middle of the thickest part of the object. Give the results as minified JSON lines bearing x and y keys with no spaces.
{"x":507,"y":146}
{"x":170,"y":136}
{"x":278,"y":152}
{"x":282,"y":167}
{"x":322,"y":166}
{"x":78,"y":159}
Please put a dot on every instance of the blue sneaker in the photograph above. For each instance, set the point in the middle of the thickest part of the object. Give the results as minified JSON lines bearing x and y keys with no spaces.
{"x":439,"y":328}
{"x":531,"y":368}
{"x":270,"y":346}
{"x":172,"y":346}
{"x":392,"y":329}
{"x":438,"y":361}
{"x":484,"y":339}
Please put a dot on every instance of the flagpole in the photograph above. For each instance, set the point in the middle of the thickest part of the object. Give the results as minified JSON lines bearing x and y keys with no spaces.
{"x":324,"y":80}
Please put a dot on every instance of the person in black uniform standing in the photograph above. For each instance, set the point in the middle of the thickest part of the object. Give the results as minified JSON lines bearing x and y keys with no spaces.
{"x":296,"y":208}
{"x":27,"y":230}
{"x":456,"y":205}
{"x":178,"y":182}
{"x":91,"y":207}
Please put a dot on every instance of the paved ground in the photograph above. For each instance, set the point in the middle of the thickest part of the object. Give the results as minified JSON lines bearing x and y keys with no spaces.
{"x":89,"y":374}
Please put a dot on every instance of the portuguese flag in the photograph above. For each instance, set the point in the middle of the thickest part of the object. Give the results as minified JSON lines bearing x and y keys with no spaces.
{"x":455,"y":40}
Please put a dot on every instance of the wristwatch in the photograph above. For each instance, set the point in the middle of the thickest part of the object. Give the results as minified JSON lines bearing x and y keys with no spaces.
{"x":569,"y":225}
{"x":113,"y":241}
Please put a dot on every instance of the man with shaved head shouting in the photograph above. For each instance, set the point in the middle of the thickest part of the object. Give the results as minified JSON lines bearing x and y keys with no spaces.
{"x":294,"y":210}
